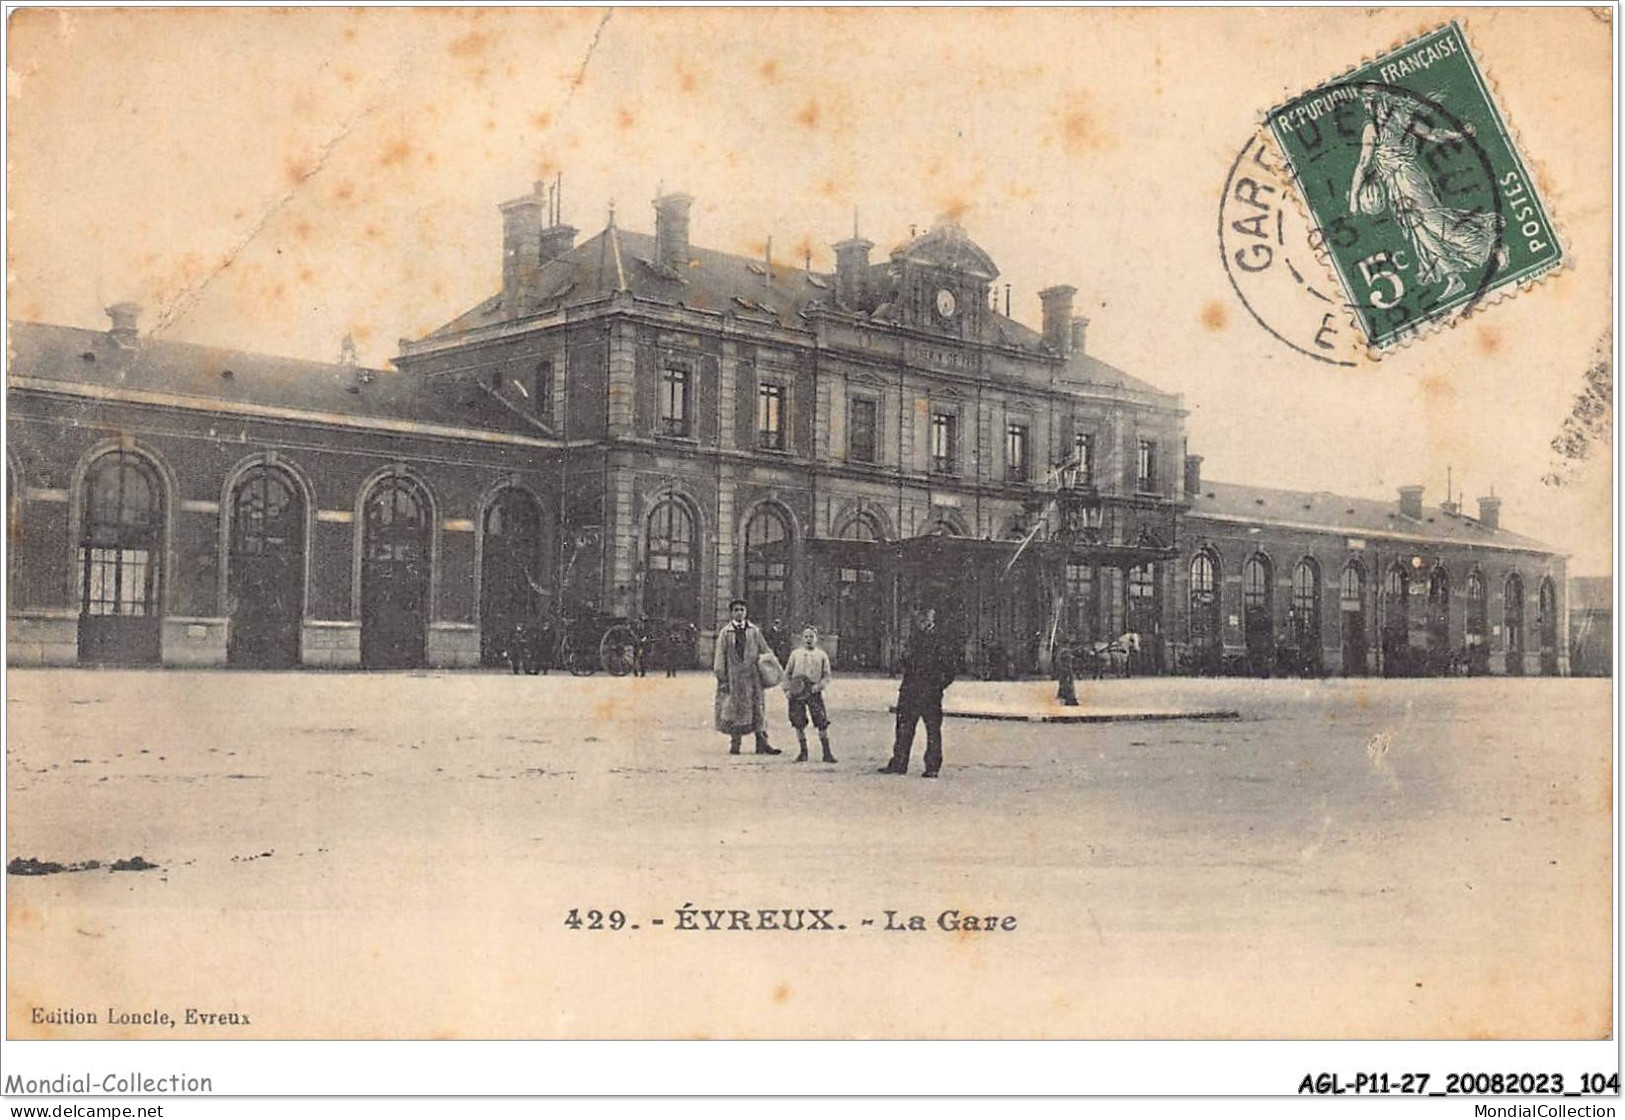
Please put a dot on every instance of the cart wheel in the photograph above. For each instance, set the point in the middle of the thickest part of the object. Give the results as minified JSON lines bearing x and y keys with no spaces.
{"x":618,"y":651}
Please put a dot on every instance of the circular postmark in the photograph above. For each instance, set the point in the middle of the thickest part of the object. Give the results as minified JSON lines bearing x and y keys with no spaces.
{"x":1387,"y":218}
{"x":1269,"y":253}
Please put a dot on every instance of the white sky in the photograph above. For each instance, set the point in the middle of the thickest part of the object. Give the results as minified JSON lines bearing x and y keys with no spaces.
{"x":271,"y":180}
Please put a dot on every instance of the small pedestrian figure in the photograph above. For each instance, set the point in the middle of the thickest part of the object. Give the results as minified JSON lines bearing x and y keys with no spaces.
{"x":929,"y":666}
{"x":1066,"y":692}
{"x":740,"y":696}
{"x":640,"y":647}
{"x":678,"y":646}
{"x":806,"y":676}
{"x":778,"y":640}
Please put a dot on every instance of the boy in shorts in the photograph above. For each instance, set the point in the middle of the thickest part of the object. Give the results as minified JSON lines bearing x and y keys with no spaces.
{"x":805,"y":677}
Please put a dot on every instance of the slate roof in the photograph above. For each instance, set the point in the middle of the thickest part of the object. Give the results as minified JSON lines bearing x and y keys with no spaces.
{"x":1323,"y":510}
{"x":75,"y":355}
{"x":728,"y":283}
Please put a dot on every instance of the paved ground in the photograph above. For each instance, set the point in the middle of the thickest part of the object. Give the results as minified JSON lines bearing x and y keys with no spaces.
{"x":394,"y":855}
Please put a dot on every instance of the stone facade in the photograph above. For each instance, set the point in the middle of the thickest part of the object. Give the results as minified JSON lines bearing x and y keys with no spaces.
{"x":1358,"y":599}
{"x":638,"y":427}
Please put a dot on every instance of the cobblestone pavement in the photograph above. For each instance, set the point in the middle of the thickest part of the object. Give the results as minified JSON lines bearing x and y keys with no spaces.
{"x":395,"y":855}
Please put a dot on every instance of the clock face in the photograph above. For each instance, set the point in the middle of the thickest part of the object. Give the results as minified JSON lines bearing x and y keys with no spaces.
{"x":946,"y":303}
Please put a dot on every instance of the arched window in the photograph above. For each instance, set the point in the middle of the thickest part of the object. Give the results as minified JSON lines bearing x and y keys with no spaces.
{"x":397,"y":522}
{"x":1255,"y":583}
{"x":266,"y":569}
{"x":1144,"y":614}
{"x":122,"y":535}
{"x":1204,"y":578}
{"x":1396,"y":622}
{"x":1477,"y":610}
{"x":1439,"y":610}
{"x":1396,"y":599}
{"x":1547,"y":627}
{"x":1351,"y":593}
{"x":671,"y":583}
{"x":1305,"y":611}
{"x":1351,"y":603}
{"x":1258,"y":614}
{"x":1512,"y":619}
{"x":1205,"y":639}
{"x":861,"y":528}
{"x":262,"y":513}
{"x":860,"y":617}
{"x":121,"y":545}
{"x":767,"y":566}
{"x":512,"y":573}
{"x":397,"y":536}
{"x":1476,"y":639}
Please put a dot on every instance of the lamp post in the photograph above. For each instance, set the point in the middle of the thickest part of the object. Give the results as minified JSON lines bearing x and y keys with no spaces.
{"x":1081,"y":512}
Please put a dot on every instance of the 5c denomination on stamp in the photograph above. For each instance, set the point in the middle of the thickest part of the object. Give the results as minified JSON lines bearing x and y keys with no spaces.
{"x":1410,"y":174}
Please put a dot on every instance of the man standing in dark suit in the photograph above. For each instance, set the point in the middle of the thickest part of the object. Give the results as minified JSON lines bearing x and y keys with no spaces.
{"x":930,"y":662}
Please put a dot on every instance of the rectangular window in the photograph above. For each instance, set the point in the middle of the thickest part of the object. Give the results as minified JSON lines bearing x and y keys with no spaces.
{"x":944,"y":442}
{"x":674,"y":410}
{"x":861,"y":434}
{"x":1080,"y":602}
{"x":541,"y":391}
{"x":770,"y":416}
{"x":1015,"y":452}
{"x":1148,"y":466}
{"x":1083,"y":454}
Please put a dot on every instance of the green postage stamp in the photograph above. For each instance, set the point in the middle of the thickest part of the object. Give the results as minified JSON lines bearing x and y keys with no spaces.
{"x":1420,"y":200}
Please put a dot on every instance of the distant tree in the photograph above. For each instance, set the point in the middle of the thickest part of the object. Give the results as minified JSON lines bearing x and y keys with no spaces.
{"x":1589,"y":427}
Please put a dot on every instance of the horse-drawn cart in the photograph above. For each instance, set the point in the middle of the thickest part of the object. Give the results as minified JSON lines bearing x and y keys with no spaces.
{"x":590,"y":642}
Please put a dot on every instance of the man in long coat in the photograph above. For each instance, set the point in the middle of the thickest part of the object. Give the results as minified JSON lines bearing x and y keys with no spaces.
{"x":930,"y":662}
{"x":740,"y":708}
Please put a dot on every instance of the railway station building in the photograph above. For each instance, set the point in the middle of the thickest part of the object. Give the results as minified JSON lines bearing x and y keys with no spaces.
{"x":639,"y":427}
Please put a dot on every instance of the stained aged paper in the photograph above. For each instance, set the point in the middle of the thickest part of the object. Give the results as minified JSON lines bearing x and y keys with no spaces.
{"x":344,"y":855}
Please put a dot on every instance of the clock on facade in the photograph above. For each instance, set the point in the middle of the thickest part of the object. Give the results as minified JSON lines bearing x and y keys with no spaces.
{"x":946,"y":303}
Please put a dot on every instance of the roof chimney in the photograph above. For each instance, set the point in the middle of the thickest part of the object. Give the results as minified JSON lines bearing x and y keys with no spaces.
{"x":1057,"y":303}
{"x":521,"y":251}
{"x":1410,"y":502}
{"x":124,"y":316}
{"x":557,"y":240}
{"x":1489,"y":512}
{"x":532,"y":235}
{"x":851,"y":260}
{"x":1080,"y":326}
{"x":1193,"y":475}
{"x":671,"y":229}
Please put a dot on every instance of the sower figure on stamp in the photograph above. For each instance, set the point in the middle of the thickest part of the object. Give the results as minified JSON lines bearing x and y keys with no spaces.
{"x":805,"y":677}
{"x":740,"y":707}
{"x":1392,"y":174}
{"x":929,"y":664}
